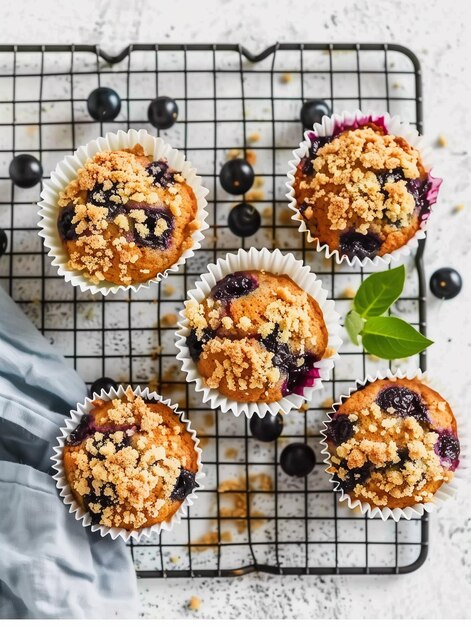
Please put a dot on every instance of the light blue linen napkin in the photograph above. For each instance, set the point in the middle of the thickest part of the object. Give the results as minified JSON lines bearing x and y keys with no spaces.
{"x":50,"y":566}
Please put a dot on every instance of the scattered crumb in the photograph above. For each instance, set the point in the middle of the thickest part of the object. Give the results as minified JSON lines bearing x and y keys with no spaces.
{"x":175,"y":558}
{"x":89,"y":314}
{"x":285,"y":217}
{"x":372,"y":357}
{"x":170,"y":319}
{"x":327,"y":404}
{"x":267,"y":212}
{"x":169,"y":290}
{"x":154,"y":355}
{"x":233,"y":153}
{"x":442,"y":141}
{"x":258,"y":182}
{"x":348,"y":292}
{"x":251,"y":157}
{"x":209,"y":420}
{"x":235,"y":490}
{"x":254,"y":137}
{"x":210,"y":540}
{"x":231,"y":453}
{"x":194,"y":603}
{"x":255,"y":195}
{"x":458,"y":208}
{"x":304,"y":407}
{"x":397,"y":85}
{"x":286,"y":78}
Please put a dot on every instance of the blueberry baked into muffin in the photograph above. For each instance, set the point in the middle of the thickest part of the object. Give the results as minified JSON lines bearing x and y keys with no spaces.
{"x":363,"y":191}
{"x":126,"y":218}
{"x":256,"y":337}
{"x":393,"y":443}
{"x":130,"y":462}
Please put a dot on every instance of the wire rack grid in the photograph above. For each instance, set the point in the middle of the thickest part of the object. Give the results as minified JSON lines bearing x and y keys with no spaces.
{"x":250,"y":515}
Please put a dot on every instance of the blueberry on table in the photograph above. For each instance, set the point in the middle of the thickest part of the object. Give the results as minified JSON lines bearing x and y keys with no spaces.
{"x":236,"y":176}
{"x":104,"y":104}
{"x":244,"y":220}
{"x":162,"y":112}
{"x":103,"y":384}
{"x":25,"y":170}
{"x":297,"y":459}
{"x":266,"y":428}
{"x":313,"y":111}
{"x":3,"y":242}
{"x":446,"y":283}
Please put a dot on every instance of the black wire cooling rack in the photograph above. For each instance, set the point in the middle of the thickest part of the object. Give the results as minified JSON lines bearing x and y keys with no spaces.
{"x":250,"y":516}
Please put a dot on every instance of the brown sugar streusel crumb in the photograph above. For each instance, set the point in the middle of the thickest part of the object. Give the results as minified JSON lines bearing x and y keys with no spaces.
{"x":240,"y":337}
{"x":388,"y":458}
{"x":125,"y":469}
{"x":126,"y":224}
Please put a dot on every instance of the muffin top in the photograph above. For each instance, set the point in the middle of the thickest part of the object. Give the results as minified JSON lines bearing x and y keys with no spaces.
{"x":130,"y":462}
{"x":393,"y":443}
{"x":362,"y":190}
{"x":257,"y":336}
{"x":125,"y":218}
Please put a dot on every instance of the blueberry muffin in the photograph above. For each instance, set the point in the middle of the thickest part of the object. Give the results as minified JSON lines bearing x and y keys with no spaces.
{"x":257,"y":337}
{"x":393,"y":443}
{"x":363,"y":191}
{"x":126,"y":218}
{"x":130,"y":462}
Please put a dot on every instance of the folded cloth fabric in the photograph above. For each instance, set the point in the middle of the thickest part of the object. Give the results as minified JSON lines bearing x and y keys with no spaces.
{"x":50,"y":566}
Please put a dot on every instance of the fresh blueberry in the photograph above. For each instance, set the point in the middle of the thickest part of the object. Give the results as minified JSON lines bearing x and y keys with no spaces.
{"x":305,"y":164}
{"x":100,"y":197}
{"x":357,"y":476}
{"x":195,"y":345}
{"x":244,"y":220}
{"x":419,"y":189}
{"x":446,"y":283}
{"x":103,"y":384}
{"x":162,"y":112}
{"x":236,"y":176}
{"x":313,"y":111}
{"x":390,"y":176}
{"x":404,"y":401}
{"x":83,"y":430}
{"x":266,"y":428}
{"x":64,"y":223}
{"x":152,"y":240}
{"x":162,"y":173}
{"x":100,"y":499}
{"x":297,"y":459}
{"x":234,"y":286}
{"x":340,"y":429}
{"x":302,"y":207}
{"x":25,"y":170}
{"x":448,"y":449}
{"x":186,"y":483}
{"x":3,"y":242}
{"x":355,"y":244}
{"x":104,"y":104}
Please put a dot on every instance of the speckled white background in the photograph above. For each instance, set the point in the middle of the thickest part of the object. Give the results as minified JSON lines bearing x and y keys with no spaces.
{"x":438,"y":31}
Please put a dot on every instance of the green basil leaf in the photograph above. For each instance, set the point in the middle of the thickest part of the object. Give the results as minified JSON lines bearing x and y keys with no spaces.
{"x":353,"y":326}
{"x":392,"y":338}
{"x":379,"y":291}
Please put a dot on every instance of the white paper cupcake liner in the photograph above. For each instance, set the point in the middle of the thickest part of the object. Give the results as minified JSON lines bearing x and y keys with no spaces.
{"x":395,"y":127}
{"x":446,"y":491}
{"x":66,"y":171}
{"x":63,"y":486}
{"x":276,"y":263}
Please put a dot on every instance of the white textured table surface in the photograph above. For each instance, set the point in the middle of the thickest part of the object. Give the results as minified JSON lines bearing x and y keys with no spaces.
{"x":438,"y":31}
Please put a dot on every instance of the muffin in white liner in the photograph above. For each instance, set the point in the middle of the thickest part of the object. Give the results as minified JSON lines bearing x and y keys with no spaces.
{"x":444,"y":492}
{"x":66,"y":171}
{"x":63,"y":486}
{"x":276,"y":263}
{"x":347,"y":121}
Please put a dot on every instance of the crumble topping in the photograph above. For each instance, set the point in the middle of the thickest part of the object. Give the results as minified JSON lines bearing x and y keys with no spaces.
{"x":124,"y":173}
{"x":128,"y":475}
{"x":344,"y":175}
{"x":379,"y":441}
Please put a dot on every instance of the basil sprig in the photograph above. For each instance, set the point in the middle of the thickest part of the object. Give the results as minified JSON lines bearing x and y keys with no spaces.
{"x":384,"y":336}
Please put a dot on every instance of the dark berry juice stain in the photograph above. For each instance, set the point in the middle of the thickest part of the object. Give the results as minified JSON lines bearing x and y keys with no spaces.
{"x":234,"y":286}
{"x":64,"y":223}
{"x":448,"y":449}
{"x":162,"y":173}
{"x":404,"y":401}
{"x":195,"y":345}
{"x":355,"y":244}
{"x":299,"y":375}
{"x":151,"y":240}
{"x":185,"y":484}
{"x":340,"y":429}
